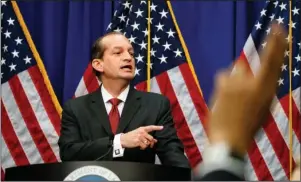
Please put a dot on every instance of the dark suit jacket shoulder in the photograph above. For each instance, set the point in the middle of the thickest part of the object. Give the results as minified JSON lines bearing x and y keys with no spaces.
{"x":86,"y":133}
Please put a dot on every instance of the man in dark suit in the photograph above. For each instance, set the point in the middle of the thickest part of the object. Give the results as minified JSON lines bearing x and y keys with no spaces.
{"x":136,"y":125}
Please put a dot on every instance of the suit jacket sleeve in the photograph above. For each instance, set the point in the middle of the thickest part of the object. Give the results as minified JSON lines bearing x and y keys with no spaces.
{"x":71,"y":143}
{"x":169,"y":148}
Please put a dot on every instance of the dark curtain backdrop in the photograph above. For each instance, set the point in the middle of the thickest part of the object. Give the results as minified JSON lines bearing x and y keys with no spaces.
{"x":63,"y":32}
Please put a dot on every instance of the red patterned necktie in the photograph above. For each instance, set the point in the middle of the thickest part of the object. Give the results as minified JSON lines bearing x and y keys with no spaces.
{"x":114,"y":116}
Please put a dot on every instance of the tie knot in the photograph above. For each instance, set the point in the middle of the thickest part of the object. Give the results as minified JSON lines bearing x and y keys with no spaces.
{"x":114,"y":101}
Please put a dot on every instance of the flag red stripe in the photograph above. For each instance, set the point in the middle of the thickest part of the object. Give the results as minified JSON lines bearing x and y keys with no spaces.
{"x":259,"y":165}
{"x":196,"y":97}
{"x":31,"y":121}
{"x":242,"y":57}
{"x":41,"y":88}
{"x":90,"y":79}
{"x":11,"y":139}
{"x":142,"y":86}
{"x":181,"y":126}
{"x":92,"y":85}
{"x":284,"y":101}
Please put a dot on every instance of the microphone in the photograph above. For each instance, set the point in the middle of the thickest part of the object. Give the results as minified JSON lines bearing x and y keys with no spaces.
{"x":104,"y":155}
{"x":110,"y":145}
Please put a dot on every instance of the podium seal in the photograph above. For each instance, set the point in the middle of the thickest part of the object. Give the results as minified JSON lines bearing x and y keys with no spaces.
{"x":92,"y":173}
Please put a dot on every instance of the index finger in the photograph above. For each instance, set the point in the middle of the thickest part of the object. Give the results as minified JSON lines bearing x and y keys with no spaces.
{"x":272,"y":58}
{"x":151,"y":128}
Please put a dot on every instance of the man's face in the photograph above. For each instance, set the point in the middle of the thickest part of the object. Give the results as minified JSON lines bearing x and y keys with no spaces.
{"x":118,"y":58}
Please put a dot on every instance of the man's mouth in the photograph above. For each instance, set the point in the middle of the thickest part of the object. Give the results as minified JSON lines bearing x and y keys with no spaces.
{"x":127,"y":67}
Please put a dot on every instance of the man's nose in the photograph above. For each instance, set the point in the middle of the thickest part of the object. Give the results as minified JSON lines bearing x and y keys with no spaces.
{"x":127,"y":57}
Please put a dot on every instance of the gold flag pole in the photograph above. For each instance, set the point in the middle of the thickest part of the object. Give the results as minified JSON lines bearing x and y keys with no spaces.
{"x":290,"y":92}
{"x":148,"y":46}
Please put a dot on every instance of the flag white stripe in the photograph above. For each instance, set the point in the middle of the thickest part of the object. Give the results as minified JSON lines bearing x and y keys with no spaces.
{"x":81,"y":88}
{"x":6,"y":158}
{"x":19,"y":126}
{"x":296,"y":96}
{"x":249,"y":170}
{"x":154,"y":86}
{"x":249,"y":173}
{"x":39,"y":111}
{"x":187,"y":106}
{"x":282,"y":121}
{"x":252,"y":55}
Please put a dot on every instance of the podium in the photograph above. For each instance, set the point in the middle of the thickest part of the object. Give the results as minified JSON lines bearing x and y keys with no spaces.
{"x":97,"y":170}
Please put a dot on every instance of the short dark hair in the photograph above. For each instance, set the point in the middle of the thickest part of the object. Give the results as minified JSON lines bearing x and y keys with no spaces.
{"x":98,"y":49}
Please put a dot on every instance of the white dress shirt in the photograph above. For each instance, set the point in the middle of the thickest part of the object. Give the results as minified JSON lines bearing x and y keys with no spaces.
{"x":117,"y":148}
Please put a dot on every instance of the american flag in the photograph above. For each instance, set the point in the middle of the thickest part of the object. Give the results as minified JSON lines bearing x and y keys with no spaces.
{"x":30,"y":119}
{"x":269,"y":157}
{"x":30,"y":112}
{"x":171,"y":74}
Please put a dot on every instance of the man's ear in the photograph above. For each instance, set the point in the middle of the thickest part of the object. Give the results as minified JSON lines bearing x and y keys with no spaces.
{"x":97,"y":64}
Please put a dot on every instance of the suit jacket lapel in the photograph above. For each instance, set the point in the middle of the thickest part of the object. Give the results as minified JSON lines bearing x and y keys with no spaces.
{"x":100,"y":112}
{"x":131,"y":106}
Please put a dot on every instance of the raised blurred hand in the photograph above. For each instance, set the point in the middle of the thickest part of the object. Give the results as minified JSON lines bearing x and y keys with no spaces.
{"x":242,"y":100}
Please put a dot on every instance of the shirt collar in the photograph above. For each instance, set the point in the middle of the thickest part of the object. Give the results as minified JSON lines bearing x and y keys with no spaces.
{"x":107,"y":96}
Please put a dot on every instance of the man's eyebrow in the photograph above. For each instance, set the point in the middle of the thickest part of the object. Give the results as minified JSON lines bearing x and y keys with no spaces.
{"x":117,"y":47}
